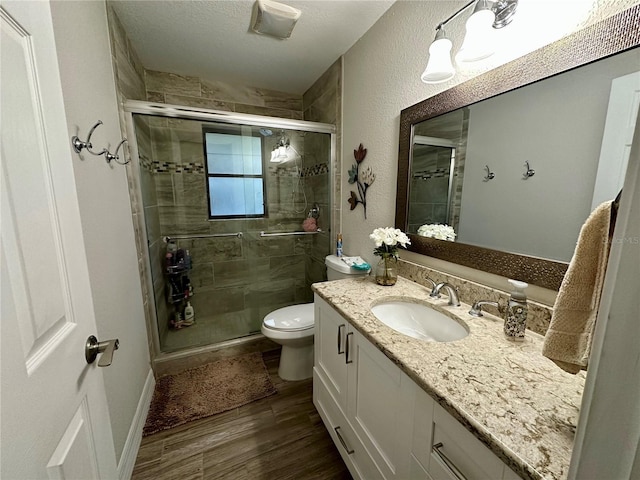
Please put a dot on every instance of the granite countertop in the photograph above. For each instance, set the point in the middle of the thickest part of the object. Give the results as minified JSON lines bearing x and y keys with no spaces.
{"x":517,"y":402}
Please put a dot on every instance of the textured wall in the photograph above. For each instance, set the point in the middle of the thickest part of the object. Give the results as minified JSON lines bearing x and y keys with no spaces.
{"x":89,"y":94}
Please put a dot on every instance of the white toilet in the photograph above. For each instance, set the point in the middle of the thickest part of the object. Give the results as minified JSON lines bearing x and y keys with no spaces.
{"x":292,"y":327}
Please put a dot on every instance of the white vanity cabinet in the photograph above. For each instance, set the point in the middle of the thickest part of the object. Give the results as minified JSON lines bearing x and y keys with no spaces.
{"x":362,"y":394}
{"x":384,"y":425}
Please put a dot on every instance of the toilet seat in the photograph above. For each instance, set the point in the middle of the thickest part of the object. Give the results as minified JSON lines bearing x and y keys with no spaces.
{"x":295,"y":318}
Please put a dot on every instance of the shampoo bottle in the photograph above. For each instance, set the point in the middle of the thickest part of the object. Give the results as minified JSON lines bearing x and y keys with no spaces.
{"x":515,"y":322}
{"x":339,"y":245}
{"x":189,"y":314}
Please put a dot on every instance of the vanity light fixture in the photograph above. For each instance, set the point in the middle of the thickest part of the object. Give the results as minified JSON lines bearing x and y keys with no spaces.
{"x":478,"y":42}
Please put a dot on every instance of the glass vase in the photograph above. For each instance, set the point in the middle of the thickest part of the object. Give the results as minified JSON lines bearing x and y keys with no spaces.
{"x":386,"y":272}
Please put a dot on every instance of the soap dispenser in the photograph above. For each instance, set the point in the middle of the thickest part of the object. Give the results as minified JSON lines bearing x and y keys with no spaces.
{"x":515,"y":321}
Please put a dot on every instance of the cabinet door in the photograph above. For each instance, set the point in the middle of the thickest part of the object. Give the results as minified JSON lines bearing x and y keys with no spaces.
{"x":417,"y":471}
{"x":329,"y":350}
{"x":380,"y":406}
{"x":355,"y":457}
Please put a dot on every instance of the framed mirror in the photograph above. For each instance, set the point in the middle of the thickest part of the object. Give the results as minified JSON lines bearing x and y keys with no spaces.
{"x":516,"y":159}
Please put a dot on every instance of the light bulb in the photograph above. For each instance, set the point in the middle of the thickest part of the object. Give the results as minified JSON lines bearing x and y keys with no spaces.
{"x":439,"y":67}
{"x":479,"y":40}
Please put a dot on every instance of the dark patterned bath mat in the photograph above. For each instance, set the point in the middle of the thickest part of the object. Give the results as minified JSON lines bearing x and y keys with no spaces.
{"x":206,"y":390}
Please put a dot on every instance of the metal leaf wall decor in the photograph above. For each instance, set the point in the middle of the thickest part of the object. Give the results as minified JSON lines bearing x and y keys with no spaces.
{"x":362,"y":178}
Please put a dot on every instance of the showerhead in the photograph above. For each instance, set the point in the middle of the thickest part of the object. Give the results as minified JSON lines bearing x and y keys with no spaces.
{"x":265,"y":132}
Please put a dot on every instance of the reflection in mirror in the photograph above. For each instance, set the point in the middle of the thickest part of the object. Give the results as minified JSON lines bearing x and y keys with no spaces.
{"x":556,"y":126}
{"x":562,"y":126}
{"x":437,"y":168}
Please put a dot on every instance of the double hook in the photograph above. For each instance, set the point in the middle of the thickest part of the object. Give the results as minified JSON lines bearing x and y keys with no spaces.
{"x":529,"y":172}
{"x":79,"y":145}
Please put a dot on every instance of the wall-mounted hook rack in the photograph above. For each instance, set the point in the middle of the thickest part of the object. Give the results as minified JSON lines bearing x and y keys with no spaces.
{"x":79,"y":145}
{"x":530,"y":172}
{"x":490,"y":175}
{"x":114,"y":157}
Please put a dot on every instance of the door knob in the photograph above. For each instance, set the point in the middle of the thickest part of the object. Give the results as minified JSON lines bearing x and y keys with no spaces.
{"x":93,"y":348}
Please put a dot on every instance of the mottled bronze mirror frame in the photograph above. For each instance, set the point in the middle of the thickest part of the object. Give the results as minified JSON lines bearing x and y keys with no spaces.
{"x":605,"y":38}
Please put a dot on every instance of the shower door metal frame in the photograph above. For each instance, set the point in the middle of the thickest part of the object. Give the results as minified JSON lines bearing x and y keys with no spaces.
{"x":132,"y":107}
{"x":443,"y":143}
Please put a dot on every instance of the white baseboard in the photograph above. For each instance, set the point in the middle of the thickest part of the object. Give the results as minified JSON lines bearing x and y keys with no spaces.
{"x":134,"y":438}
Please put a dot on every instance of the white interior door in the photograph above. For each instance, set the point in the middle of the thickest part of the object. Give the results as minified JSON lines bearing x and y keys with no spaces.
{"x":622,"y":114}
{"x":55,"y":422}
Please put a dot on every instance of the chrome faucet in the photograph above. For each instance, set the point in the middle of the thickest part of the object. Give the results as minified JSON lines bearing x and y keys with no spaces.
{"x":452,"y":292}
{"x":476,"y":308}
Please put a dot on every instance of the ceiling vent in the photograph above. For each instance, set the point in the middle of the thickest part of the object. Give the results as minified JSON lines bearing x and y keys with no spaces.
{"x":273,"y":18}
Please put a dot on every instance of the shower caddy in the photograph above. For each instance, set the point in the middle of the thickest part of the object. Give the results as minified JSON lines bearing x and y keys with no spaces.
{"x":179,"y":288}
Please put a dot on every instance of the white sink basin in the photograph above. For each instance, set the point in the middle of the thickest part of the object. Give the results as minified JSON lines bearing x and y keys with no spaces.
{"x":419,"y":321}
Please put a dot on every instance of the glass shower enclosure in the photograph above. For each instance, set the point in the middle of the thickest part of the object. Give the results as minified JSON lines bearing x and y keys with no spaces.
{"x":237,"y":210}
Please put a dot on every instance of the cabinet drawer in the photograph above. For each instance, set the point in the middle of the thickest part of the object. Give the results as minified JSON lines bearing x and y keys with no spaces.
{"x":351,"y":450}
{"x":454,"y":447}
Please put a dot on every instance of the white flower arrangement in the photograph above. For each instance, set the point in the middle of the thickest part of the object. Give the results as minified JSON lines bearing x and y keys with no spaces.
{"x":387,"y":240}
{"x":438,"y":231}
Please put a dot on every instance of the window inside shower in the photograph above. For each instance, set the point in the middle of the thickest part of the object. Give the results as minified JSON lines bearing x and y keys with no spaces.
{"x":234,"y":166}
{"x":244,"y":248}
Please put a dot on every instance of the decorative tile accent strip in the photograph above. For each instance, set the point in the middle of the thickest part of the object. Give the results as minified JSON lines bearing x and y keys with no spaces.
{"x":292,"y":171}
{"x":318,"y":169}
{"x":146,"y":163}
{"x":172,"y":167}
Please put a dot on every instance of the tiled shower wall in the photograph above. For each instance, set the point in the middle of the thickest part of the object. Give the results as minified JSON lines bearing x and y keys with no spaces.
{"x":236,"y":280}
{"x":321,"y":103}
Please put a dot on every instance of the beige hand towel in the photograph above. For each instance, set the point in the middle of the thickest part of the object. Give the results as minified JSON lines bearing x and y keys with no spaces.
{"x":568,"y":340}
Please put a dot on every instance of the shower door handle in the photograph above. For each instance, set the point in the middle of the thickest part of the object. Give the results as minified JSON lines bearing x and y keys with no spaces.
{"x":340,"y":327}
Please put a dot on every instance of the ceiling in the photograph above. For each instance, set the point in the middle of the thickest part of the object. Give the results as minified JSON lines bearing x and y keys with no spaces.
{"x":213,"y":39}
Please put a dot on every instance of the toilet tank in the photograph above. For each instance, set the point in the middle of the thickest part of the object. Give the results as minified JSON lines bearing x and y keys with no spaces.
{"x":337,"y":269}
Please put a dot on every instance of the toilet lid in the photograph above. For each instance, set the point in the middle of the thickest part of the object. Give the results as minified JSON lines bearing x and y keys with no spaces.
{"x":295,"y":317}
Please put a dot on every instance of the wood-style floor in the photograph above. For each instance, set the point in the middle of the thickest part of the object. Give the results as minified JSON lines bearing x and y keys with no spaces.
{"x":279,"y":437}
